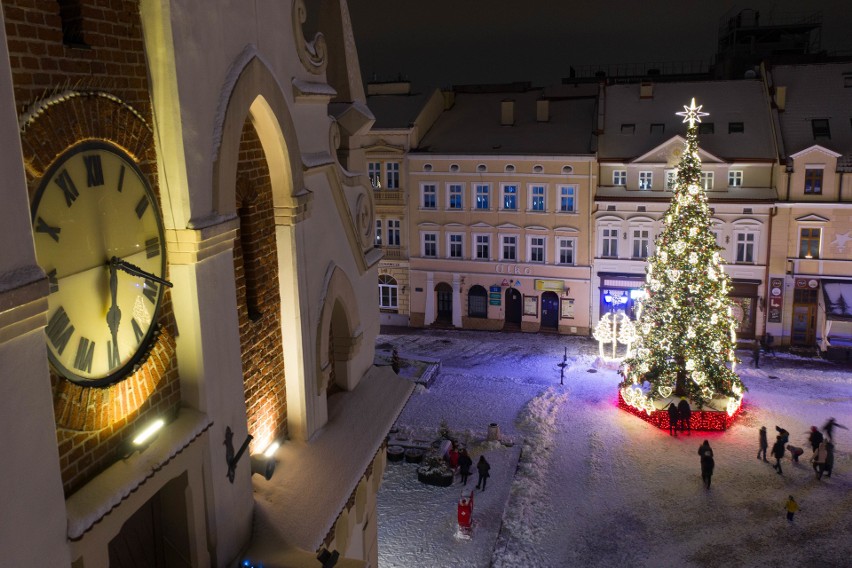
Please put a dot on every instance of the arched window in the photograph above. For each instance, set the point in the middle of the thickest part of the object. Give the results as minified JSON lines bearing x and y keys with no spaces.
{"x":387,"y":292}
{"x":477,"y":302}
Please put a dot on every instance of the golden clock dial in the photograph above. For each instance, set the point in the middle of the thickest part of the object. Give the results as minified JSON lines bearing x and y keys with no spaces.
{"x":99,"y":237}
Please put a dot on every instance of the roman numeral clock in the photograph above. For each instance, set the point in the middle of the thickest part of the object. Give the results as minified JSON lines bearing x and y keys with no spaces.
{"x":99,"y":237}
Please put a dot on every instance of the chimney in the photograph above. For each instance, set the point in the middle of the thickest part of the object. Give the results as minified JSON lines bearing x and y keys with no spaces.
{"x":780,"y":97}
{"x":646,"y":90}
{"x":507,"y":112}
{"x":542,"y":110}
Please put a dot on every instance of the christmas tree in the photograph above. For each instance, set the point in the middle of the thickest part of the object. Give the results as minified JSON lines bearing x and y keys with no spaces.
{"x":686,"y":333}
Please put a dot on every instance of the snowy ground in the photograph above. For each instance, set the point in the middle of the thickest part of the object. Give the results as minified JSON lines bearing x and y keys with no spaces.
{"x":596,"y":486}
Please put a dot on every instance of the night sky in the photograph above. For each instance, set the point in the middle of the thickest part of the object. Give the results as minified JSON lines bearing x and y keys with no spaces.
{"x":444,"y":42}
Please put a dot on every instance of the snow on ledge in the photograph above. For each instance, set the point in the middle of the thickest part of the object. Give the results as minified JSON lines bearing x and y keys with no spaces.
{"x":96,"y":499}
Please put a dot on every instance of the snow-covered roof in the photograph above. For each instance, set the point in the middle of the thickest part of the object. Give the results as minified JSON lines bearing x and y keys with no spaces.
{"x":397,"y":110}
{"x":473,"y":126}
{"x":727,"y":102}
{"x":816,"y":91}
{"x":314,"y":480}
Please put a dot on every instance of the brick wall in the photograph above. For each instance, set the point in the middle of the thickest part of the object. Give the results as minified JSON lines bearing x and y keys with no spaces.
{"x":108,"y":87}
{"x":258,"y":299}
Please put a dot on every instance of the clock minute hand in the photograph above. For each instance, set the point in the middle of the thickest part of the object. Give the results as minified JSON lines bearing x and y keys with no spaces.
{"x":136,"y":271}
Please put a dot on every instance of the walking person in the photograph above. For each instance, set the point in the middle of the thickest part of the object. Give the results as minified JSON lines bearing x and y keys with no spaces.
{"x":784,"y":434}
{"x":465,"y":463}
{"x":764,"y":444}
{"x":483,"y":467}
{"x":685,"y":413}
{"x":819,"y":459}
{"x":815,"y":438}
{"x":829,"y":426}
{"x":673,"y":419}
{"x":791,"y":506}
{"x":707,"y":462}
{"x":778,"y":453}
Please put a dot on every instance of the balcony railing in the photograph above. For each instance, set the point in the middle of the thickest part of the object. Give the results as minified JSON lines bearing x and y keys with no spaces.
{"x":395,"y":253}
{"x":388,"y":197}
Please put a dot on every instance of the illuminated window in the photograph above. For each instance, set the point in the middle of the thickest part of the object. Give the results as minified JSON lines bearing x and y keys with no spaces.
{"x":641,"y":239}
{"x":707,"y":180}
{"x":735,"y":178}
{"x":567,"y":198}
{"x":387,"y":292}
{"x":809,"y":242}
{"x":746,"y":242}
{"x":671,"y":179}
{"x":510,"y":197}
{"x":813,"y":180}
{"x":646,"y":180}
{"x":537,"y":201}
{"x":536,"y":249}
{"x":482,"y":193}
{"x":378,"y":232}
{"x":374,"y":171}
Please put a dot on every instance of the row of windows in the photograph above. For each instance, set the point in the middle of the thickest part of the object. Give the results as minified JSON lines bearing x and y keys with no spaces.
{"x":508,"y":248}
{"x":646,"y":179}
{"x":510,"y":197}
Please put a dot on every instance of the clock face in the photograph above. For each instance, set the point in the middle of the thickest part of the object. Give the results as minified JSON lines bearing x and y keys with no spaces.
{"x":99,"y":237}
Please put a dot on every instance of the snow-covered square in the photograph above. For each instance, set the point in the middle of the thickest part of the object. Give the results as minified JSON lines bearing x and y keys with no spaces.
{"x":596,"y":486}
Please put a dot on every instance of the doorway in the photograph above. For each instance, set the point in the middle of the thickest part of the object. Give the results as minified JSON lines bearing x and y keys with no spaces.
{"x":444,"y":293}
{"x":803,"y":330}
{"x":550,"y":311}
{"x":513,"y":308}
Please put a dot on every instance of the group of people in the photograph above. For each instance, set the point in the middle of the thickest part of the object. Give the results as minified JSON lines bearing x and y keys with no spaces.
{"x":459,"y":460}
{"x":822,"y":446}
{"x":679,"y":416}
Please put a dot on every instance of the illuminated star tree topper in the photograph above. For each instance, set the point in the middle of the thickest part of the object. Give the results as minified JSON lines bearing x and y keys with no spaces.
{"x":686,"y":331}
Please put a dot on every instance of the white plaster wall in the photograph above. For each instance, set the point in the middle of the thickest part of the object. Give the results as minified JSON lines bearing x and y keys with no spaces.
{"x":31,"y":500}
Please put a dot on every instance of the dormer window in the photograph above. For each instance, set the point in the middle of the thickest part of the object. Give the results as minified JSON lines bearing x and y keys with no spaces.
{"x":628,"y":128}
{"x":820,"y":128}
{"x":705,"y":128}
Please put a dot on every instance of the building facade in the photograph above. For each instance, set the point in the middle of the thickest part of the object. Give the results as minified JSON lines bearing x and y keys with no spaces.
{"x":500,"y":192}
{"x":811,"y":264}
{"x":639,"y":149}
{"x":187,"y":244}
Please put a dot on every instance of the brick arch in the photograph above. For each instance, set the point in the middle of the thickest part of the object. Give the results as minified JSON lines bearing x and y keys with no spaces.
{"x":257,"y":95}
{"x":92,"y":422}
{"x":340,"y":314}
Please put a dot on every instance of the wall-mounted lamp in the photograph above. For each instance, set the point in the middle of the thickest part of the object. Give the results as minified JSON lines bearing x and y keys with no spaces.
{"x":233,"y":458}
{"x":790,"y":266}
{"x":264,"y":463}
{"x":326,"y":558}
{"x":143,"y":438}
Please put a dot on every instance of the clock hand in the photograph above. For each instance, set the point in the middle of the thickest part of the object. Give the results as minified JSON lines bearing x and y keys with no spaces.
{"x":114,"y":313}
{"x":136,"y":271}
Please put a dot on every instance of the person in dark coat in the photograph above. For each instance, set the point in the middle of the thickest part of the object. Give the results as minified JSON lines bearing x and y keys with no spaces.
{"x":685,"y":412}
{"x":815,"y":438}
{"x":785,"y":435}
{"x":764,"y":444}
{"x":483,"y":467}
{"x":707,"y":462}
{"x":465,"y":463}
{"x":673,"y":419}
{"x":778,"y":453}
{"x":829,"y":426}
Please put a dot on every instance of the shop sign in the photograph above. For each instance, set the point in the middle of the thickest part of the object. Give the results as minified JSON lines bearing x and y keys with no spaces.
{"x":554,"y":285}
{"x":776,"y":299}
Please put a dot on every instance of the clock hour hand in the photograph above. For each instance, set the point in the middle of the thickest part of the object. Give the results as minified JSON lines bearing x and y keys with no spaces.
{"x":136,"y":271}
{"x":114,"y":313}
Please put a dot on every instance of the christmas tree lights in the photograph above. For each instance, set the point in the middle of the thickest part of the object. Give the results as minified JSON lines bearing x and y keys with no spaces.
{"x":685,"y":333}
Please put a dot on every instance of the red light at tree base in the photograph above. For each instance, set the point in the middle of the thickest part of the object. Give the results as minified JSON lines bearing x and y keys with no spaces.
{"x":700,"y":420}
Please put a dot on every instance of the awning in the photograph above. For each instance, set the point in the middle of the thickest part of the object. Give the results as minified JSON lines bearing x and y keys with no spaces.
{"x":838,"y":299}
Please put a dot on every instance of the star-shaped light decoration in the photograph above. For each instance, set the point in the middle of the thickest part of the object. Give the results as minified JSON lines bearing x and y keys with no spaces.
{"x":692,"y":113}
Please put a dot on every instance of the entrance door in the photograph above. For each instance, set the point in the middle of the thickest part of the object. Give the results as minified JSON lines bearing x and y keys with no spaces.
{"x":444,"y":293}
{"x":804,"y":325}
{"x":550,"y":310}
{"x":513,"y":307}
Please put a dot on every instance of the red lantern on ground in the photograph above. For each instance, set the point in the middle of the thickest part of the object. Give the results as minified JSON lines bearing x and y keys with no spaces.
{"x":465,"y":512}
